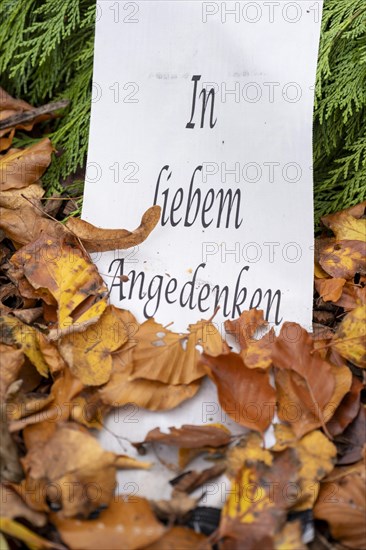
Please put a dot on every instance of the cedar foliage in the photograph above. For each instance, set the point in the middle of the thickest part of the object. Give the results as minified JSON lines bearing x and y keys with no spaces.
{"x":46,"y":53}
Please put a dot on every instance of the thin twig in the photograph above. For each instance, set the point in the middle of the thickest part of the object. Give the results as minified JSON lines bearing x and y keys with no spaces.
{"x":26,"y":116}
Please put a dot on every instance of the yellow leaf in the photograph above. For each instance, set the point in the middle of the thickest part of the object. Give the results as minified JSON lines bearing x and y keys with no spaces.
{"x":27,"y":338}
{"x":89,"y":353}
{"x":342,"y":259}
{"x":290,"y":537}
{"x":317,"y":456}
{"x":346,"y":227}
{"x":250,"y":450}
{"x":349,"y":339}
{"x":63,"y":272}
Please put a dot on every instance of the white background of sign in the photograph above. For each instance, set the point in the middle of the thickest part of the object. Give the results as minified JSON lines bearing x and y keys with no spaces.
{"x":146,"y":54}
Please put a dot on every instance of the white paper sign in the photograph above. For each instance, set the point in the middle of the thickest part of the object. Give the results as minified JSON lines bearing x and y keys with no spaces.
{"x":205,"y":108}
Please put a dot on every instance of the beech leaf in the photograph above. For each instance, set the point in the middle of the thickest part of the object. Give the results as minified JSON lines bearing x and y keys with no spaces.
{"x":61,"y":273}
{"x":349,"y":339}
{"x":345,"y":226}
{"x":330,"y":290}
{"x":191,"y":437}
{"x":21,"y":167}
{"x":245,"y":394}
{"x":341,"y":503}
{"x":127,"y":523}
{"x":89,"y":353}
{"x":170,"y":357}
{"x":342,"y":259}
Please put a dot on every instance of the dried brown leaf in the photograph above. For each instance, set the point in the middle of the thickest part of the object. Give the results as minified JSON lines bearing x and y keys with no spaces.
{"x":62,"y":273}
{"x":244,"y":328}
{"x":22,"y":167}
{"x":341,"y":503}
{"x":342,"y":259}
{"x":191,"y":437}
{"x":173,"y":358}
{"x":330,"y":290}
{"x":89,"y":353}
{"x":95,"y":239}
{"x":245,"y":394}
{"x":148,"y":394}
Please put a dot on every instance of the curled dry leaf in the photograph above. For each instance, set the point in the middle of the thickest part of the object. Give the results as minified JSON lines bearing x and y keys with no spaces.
{"x":341,"y":503}
{"x":342,"y":259}
{"x":244,"y":328}
{"x":61,"y":272}
{"x":190,"y":481}
{"x":95,"y":239}
{"x":22,"y":167}
{"x":330,"y":290}
{"x":173,"y":358}
{"x":245,"y":394}
{"x":191,"y":437}
{"x":349,"y":339}
{"x":127,"y":523}
{"x":89,"y":353}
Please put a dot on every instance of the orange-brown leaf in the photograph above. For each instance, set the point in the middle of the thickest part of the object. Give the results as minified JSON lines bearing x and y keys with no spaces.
{"x":245,"y":394}
{"x":127,"y":523}
{"x":245,"y":326}
{"x":330,"y":289}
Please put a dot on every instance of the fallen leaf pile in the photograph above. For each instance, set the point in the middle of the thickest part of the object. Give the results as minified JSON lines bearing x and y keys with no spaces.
{"x":68,"y":358}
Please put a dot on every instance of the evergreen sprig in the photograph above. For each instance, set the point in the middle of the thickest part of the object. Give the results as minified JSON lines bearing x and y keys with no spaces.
{"x":46,"y":53}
